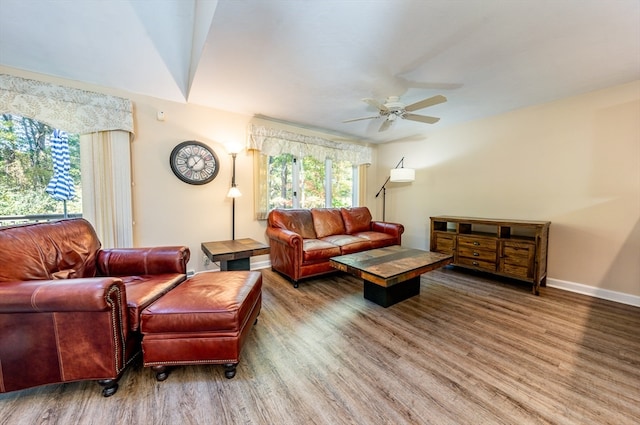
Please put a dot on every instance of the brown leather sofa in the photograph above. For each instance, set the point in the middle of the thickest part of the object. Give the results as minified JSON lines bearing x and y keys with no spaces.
{"x":302,"y":240}
{"x":70,"y":311}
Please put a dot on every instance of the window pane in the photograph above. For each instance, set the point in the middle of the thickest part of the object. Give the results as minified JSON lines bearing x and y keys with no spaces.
{"x":341,"y":184}
{"x":26,"y":167}
{"x":312,"y":183}
{"x":280,"y":181}
{"x":306,"y":183}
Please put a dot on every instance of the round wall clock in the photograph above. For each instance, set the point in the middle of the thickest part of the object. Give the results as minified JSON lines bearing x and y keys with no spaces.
{"x":194,"y":162}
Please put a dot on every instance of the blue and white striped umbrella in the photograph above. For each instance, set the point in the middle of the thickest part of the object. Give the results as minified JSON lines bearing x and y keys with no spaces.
{"x":60,"y":186}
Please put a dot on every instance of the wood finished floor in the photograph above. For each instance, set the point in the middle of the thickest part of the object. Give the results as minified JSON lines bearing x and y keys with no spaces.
{"x":467,"y":350}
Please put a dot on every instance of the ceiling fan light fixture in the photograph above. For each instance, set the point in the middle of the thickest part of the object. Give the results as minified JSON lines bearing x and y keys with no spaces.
{"x":402,"y":175}
{"x":393,"y":109}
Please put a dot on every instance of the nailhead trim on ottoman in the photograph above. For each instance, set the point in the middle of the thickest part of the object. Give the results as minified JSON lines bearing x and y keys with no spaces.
{"x":204,"y":320}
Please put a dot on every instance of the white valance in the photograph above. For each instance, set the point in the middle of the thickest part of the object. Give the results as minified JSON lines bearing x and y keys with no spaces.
{"x":272,"y":142}
{"x":74,"y":110}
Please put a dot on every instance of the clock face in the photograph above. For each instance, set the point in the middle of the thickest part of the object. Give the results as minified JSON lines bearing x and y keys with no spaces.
{"x":194,"y":162}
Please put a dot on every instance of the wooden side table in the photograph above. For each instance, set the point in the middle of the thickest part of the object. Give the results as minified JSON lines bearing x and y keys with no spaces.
{"x":234,"y":254}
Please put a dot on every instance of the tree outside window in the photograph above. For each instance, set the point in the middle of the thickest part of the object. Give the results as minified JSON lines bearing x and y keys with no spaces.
{"x":26,"y":167}
{"x":309,"y":183}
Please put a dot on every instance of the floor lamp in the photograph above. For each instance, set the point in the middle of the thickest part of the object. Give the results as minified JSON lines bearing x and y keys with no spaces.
{"x":397,"y":175}
{"x":233,"y":193}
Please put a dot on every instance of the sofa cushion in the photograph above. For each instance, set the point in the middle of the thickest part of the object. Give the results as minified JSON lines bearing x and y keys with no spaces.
{"x":377,"y":239}
{"x":327,"y":221}
{"x":207,"y":302}
{"x":317,"y":250}
{"x":299,"y":221}
{"x":356,"y":219}
{"x":348,"y":243}
{"x":58,"y":249}
{"x":143,"y":290}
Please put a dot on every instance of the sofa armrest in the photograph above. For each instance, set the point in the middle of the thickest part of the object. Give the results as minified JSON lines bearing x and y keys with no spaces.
{"x":285,"y":236}
{"x":143,"y":261}
{"x":394,"y":229}
{"x":70,"y":329}
{"x":285,"y":251}
{"x":84,"y":294}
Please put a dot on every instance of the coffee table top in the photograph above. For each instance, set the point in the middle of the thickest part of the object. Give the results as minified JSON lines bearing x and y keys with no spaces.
{"x":390,"y":265}
{"x":233,"y":249}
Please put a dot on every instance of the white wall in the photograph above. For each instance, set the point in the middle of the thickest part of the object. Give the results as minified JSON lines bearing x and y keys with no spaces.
{"x":574,"y":162}
{"x":169,"y":211}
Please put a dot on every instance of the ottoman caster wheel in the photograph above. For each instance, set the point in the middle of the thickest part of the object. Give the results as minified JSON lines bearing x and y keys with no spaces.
{"x":230,"y":370}
{"x":109,"y":387}
{"x":161,"y":372}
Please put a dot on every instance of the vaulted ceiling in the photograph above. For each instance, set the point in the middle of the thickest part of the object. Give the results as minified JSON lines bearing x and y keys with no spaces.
{"x":310,"y":62}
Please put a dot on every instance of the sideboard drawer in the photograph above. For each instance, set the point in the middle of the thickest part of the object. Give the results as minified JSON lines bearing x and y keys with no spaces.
{"x":477,"y":242}
{"x":477,"y":254}
{"x":522,"y":272}
{"x":517,"y":259}
{"x":477,"y":264}
{"x":444,"y":243}
{"x":518,"y":252}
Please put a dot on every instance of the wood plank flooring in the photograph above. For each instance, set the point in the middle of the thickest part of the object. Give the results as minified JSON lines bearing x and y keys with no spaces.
{"x":468,"y":350}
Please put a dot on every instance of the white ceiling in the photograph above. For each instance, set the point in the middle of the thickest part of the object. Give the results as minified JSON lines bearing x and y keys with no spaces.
{"x":311,"y":62}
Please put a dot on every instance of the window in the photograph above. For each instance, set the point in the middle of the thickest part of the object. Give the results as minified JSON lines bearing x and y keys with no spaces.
{"x":26,"y":168}
{"x":293,"y":170}
{"x":105,"y":126}
{"x":310,"y":183}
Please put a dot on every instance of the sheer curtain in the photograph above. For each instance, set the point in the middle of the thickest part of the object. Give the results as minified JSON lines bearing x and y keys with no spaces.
{"x":265,"y":141}
{"x":105,"y":124}
{"x":106,"y":170}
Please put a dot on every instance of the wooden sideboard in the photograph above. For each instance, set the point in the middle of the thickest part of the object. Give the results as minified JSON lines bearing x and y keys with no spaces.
{"x":511,"y":248}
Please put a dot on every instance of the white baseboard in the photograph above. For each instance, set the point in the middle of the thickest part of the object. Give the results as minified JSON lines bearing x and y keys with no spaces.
{"x":592,"y":291}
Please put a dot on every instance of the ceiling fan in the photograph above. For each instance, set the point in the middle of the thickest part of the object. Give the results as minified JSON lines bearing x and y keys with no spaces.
{"x":392,"y":109}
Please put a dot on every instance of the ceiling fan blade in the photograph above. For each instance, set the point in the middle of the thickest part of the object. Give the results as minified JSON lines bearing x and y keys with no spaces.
{"x":385,"y":125}
{"x":426,"y":102}
{"x":363,"y":118}
{"x":372,"y":102}
{"x":421,"y":118}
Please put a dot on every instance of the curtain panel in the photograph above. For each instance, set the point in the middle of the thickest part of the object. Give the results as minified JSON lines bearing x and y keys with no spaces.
{"x":266,"y":142}
{"x":106,"y":170}
{"x":105,"y":124}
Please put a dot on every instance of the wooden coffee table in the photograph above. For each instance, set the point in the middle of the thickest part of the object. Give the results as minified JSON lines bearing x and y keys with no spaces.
{"x":390,"y":274}
{"x":234,"y":254}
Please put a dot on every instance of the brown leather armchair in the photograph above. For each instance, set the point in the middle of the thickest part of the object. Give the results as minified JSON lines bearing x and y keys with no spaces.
{"x":69,"y":310}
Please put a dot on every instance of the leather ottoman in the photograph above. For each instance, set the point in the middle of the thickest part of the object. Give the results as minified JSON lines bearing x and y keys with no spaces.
{"x":204,"y":320}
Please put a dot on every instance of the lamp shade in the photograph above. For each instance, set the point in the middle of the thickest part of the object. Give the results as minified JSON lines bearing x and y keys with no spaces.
{"x":234,"y":192}
{"x":401,"y":175}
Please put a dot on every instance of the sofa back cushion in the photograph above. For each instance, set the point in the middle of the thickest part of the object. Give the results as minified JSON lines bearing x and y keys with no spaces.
{"x":296,"y":220}
{"x":356,"y":219}
{"x":327,"y":222}
{"x":54,"y":250}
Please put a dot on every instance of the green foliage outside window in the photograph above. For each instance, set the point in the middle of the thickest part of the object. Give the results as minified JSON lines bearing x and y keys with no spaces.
{"x":342,"y":184}
{"x":26,"y":167}
{"x":311,"y":182}
{"x":312,"y":176}
{"x":280,"y":181}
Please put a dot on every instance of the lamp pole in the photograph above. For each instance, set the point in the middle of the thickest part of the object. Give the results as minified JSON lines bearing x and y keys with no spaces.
{"x":383,"y":189}
{"x":233,"y":199}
